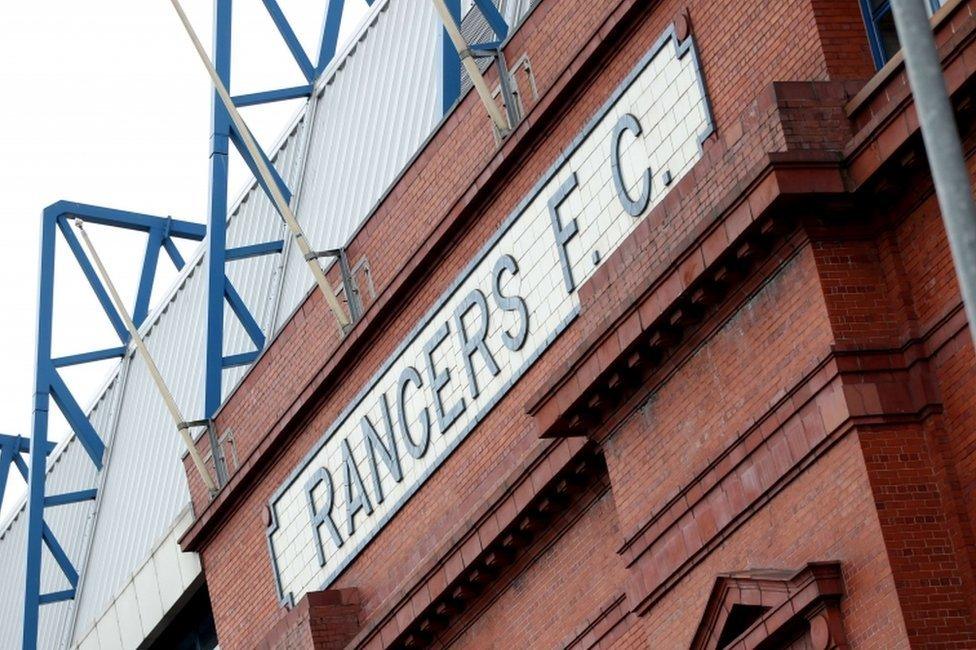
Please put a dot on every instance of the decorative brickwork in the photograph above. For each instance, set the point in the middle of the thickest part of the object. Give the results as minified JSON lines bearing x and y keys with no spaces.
{"x":322,"y":620}
{"x":771,"y":369}
{"x":773,"y":608}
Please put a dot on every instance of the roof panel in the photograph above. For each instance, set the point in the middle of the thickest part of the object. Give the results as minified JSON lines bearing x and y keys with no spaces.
{"x":371,"y":116}
{"x":374,"y":108}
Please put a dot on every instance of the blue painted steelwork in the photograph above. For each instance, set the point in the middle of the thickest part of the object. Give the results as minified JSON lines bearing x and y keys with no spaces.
{"x":11,"y":448}
{"x":88,"y":357}
{"x":451,"y":60}
{"x":70,"y":497}
{"x":217,"y":213}
{"x":224,"y":133}
{"x":238,"y":141}
{"x":268,"y":96}
{"x":161,"y":232}
{"x":243,"y":359}
{"x":494,"y":17}
{"x":330,"y":33}
{"x":255,"y":250}
{"x":288,"y":35}
{"x":48,"y":384}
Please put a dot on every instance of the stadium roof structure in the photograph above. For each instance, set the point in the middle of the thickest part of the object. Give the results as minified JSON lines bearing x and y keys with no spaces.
{"x":107,"y":505}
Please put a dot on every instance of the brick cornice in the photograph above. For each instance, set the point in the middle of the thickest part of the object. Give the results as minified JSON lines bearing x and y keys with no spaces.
{"x":791,"y":172}
{"x":480,"y":546}
{"x":453,"y":575}
{"x":621,"y":351}
{"x":548,"y":108}
{"x":846,"y":391}
{"x":860,"y":371}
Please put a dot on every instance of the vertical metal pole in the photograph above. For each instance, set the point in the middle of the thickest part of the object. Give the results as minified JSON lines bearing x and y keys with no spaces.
{"x":217,"y":452}
{"x":942,"y":146}
{"x":217,"y":218}
{"x":38,"y":445}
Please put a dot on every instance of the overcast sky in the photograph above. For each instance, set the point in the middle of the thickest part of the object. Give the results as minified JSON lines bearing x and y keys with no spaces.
{"x":106,"y":103}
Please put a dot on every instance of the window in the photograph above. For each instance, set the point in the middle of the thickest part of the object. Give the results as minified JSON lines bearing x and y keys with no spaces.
{"x":881,"y":27}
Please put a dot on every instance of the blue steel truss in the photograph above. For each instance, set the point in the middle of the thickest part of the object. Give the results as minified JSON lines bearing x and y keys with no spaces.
{"x":223,"y":134}
{"x":451,"y":61}
{"x":224,"y":131}
{"x":161,"y":232}
{"x":48,"y":383}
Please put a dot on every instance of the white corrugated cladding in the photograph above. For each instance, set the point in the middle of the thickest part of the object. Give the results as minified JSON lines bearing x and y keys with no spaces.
{"x":144,"y":487}
{"x":371,"y":116}
{"x":70,"y":469}
{"x":374,"y":108}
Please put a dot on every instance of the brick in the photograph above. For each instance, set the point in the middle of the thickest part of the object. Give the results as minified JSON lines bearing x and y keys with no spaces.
{"x":874,"y":284}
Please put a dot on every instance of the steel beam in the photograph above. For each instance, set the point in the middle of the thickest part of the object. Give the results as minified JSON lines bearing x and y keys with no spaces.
{"x":217,"y":213}
{"x":255,"y":250}
{"x":149,"y":263}
{"x":330,"y":33}
{"x":291,"y":40}
{"x":161,"y":232}
{"x":38,"y":462}
{"x":269,"y":96}
{"x":127,"y":220}
{"x":457,"y":53}
{"x":87,"y":357}
{"x":48,"y":383}
{"x":450,"y":62}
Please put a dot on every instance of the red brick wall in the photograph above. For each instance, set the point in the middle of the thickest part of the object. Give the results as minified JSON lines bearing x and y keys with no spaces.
{"x":826,"y":512}
{"x":933,"y":576}
{"x":325,"y":620}
{"x":566,"y":579}
{"x":771,"y":343}
{"x":816,"y":503}
{"x":929,"y":282}
{"x":844,"y":38}
{"x":737,"y":65}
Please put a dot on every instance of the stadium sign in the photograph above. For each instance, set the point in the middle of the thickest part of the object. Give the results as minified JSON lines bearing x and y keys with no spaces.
{"x":501,"y":313}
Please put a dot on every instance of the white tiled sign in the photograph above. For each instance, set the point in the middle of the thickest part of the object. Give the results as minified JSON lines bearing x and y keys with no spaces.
{"x":503,"y":311}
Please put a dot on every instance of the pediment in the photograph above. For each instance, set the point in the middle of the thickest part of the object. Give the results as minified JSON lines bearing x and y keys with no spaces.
{"x":760,"y":608}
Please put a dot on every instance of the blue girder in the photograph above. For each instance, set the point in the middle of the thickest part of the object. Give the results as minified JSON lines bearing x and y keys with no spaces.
{"x":161,"y":233}
{"x":451,"y":61}
{"x":49,"y":385}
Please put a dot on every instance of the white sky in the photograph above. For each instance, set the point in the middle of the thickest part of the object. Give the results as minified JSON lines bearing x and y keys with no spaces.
{"x":106,"y":103}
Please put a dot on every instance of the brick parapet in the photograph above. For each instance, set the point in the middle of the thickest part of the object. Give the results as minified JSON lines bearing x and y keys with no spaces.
{"x":322,"y":620}
{"x":743,"y":226}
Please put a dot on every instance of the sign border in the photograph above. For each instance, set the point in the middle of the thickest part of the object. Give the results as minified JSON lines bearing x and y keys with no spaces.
{"x":682,"y":48}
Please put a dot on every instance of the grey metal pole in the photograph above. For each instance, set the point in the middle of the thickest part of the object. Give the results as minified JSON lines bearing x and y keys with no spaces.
{"x":942,"y":146}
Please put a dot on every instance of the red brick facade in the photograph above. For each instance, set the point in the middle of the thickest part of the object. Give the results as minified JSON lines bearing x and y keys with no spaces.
{"x":770,"y":387}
